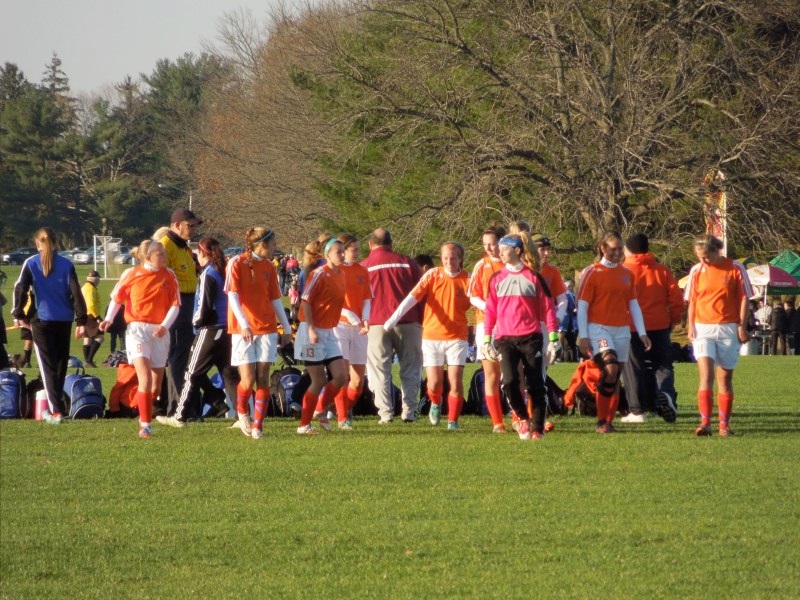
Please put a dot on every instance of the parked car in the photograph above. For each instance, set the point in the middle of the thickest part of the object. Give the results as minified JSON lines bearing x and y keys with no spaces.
{"x":84,"y":257}
{"x":232,"y":251}
{"x":18,"y":256}
{"x":126,"y":258}
{"x":70,"y":254}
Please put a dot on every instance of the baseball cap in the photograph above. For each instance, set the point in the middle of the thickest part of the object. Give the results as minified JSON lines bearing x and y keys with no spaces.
{"x":184,"y":214}
{"x":93,"y":276}
{"x":540,"y":239}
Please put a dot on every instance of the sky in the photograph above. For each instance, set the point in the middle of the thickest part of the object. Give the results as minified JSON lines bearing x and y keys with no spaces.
{"x":100,"y":42}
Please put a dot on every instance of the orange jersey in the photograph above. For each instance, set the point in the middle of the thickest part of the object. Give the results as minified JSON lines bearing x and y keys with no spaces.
{"x":717,"y":291}
{"x":325,"y":292}
{"x":256,"y":283}
{"x":657,"y":291}
{"x":552,"y":277}
{"x":608,"y":290}
{"x":357,"y":288}
{"x":147,"y":295}
{"x":478,"y":284}
{"x":446,"y":304}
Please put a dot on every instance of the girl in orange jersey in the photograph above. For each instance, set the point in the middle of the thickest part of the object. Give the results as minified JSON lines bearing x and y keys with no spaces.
{"x":316,"y":343}
{"x":351,"y":332}
{"x":149,"y":292}
{"x":606,"y":307}
{"x":254,"y":308}
{"x":445,"y":290}
{"x":719,"y":309}
{"x":478,"y":287}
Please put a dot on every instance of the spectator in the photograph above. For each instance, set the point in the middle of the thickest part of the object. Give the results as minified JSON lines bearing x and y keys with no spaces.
{"x":58,"y":300}
{"x":794,"y":329}
{"x":25,"y":333}
{"x":392,"y":277}
{"x":424,"y":262}
{"x":778,"y":328}
{"x":181,"y":260}
{"x":717,"y":293}
{"x":4,"y":362}
{"x":648,"y":375}
{"x":117,"y":331}
{"x":444,"y":329}
{"x":92,"y":337}
{"x":568,"y":327}
{"x":763,"y":314}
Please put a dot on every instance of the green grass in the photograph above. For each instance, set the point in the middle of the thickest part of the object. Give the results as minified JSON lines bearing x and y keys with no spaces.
{"x":89,"y":510}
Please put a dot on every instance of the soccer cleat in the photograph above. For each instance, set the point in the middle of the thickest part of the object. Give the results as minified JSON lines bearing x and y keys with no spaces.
{"x":256,"y":433}
{"x":245,"y":425}
{"x":434,"y":414}
{"x":725,"y":431}
{"x":323,"y":421}
{"x":453,"y":426}
{"x":605,"y":427}
{"x":52,"y":418}
{"x":703,"y":431}
{"x":171,"y":421}
{"x":145,"y":432}
{"x":384,"y":421}
{"x":306,"y":430}
{"x":501,"y":428}
{"x":634,"y":418}
{"x":524,"y":430}
{"x":346,"y":425}
{"x":666,"y":407}
{"x":536,"y":435}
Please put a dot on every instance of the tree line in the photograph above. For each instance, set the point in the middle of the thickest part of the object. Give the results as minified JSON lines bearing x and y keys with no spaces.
{"x":437,"y":117}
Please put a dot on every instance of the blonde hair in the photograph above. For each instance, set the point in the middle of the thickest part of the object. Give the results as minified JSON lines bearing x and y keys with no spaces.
{"x":519,"y":227}
{"x":144,"y":250}
{"x":530,"y":254}
{"x":46,"y":239}
{"x":708,"y":242}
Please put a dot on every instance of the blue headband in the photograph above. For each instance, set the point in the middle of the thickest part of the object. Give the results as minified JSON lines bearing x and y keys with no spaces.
{"x":514,"y":242}
{"x":267,"y":235}
{"x":329,"y":245}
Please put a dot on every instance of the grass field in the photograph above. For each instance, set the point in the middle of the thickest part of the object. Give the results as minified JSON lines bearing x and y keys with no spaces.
{"x":88,"y":510}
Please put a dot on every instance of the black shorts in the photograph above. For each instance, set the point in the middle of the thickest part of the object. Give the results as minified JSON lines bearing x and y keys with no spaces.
{"x":25,"y":334}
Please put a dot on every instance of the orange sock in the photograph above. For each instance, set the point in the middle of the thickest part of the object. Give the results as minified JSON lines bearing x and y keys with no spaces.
{"x":494,"y":408}
{"x":603,"y":406}
{"x":705,"y":404}
{"x":342,"y":404}
{"x":435,"y":397}
{"x":612,"y":409}
{"x":144,"y":401}
{"x":326,"y":397}
{"x":725,"y":402}
{"x":309,"y":404}
{"x":262,"y":396}
{"x":454,"y":404}
{"x":243,"y":400}
{"x":353,"y":394}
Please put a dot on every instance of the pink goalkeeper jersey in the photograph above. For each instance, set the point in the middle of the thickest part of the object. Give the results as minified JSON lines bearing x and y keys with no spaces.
{"x":516,"y":303}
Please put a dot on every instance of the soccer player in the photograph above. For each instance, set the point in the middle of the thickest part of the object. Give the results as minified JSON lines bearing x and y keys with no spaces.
{"x":483,"y":270}
{"x":316,"y":344}
{"x":149,"y":292}
{"x":606,"y":307}
{"x":254,"y":308}
{"x":516,"y":305}
{"x":717,"y":292}
{"x":445,"y":291}
{"x":555,"y":284}
{"x":351,"y":332}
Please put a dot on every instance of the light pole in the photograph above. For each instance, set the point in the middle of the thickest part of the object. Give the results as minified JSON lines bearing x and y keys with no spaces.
{"x":164,"y":186}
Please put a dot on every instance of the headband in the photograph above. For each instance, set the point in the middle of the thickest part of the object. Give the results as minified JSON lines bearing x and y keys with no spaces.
{"x":329,"y":245}
{"x":514,"y":242}
{"x":267,"y":235}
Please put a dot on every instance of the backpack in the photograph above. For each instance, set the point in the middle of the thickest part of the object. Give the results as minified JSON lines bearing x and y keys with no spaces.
{"x":285,"y":400}
{"x":476,"y":395}
{"x":555,"y":398}
{"x":122,"y":397}
{"x":13,"y":395}
{"x":83,"y":395}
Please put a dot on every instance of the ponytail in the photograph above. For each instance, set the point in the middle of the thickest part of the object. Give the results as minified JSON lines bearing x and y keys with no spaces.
{"x":46,"y":239}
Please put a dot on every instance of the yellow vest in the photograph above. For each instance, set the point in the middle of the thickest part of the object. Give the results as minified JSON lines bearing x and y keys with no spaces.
{"x":182,"y":262}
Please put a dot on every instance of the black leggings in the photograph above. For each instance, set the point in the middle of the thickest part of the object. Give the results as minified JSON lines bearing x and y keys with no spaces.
{"x":527,"y":350}
{"x":51,"y":342}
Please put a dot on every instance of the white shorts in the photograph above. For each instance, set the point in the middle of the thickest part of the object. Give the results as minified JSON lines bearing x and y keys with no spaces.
{"x":437,"y":353}
{"x":327,"y":346}
{"x":719,"y":342}
{"x":605,"y":337}
{"x":479,"y":341}
{"x":352,"y":343}
{"x":263,"y":349}
{"x":141,"y":343}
